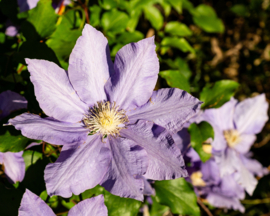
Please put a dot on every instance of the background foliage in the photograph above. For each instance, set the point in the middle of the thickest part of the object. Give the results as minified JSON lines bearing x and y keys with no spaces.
{"x":205,"y":47}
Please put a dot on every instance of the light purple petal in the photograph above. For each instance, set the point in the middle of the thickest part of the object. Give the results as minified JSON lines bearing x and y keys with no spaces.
{"x":165,"y":159}
{"x":129,"y":163}
{"x":11,"y":101}
{"x":210,"y":172}
{"x":227,"y":161}
{"x":148,"y":189}
{"x":251,"y":115}
{"x":254,"y":166}
{"x":246,"y":141}
{"x":220,"y":201}
{"x":94,"y":206}
{"x":14,"y":166}
{"x":90,"y":65}
{"x":221,"y":119}
{"x":26,"y":5}
{"x":53,"y":90}
{"x":33,"y":205}
{"x":182,"y":140}
{"x":170,"y":108}
{"x":136,"y":69}
{"x":12,"y":30}
{"x":49,"y":130}
{"x":78,"y":168}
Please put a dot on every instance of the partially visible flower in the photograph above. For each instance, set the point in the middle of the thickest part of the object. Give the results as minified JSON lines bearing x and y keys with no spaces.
{"x":235,"y":125}
{"x":12,"y":163}
{"x":108,"y":118}
{"x":11,"y":29}
{"x":33,"y":205}
{"x":221,"y":192}
{"x":26,"y":5}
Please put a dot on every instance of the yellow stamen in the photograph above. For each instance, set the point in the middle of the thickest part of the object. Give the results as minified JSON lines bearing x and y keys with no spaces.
{"x":232,"y":137}
{"x":207,"y":148}
{"x":196,"y":179}
{"x":106,"y":119}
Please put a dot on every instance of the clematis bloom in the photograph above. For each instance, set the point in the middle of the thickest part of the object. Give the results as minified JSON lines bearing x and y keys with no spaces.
{"x":114,"y":129}
{"x":235,"y":125}
{"x":12,"y":163}
{"x":33,"y":205}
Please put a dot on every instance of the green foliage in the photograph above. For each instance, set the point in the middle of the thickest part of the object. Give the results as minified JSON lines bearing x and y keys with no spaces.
{"x":179,"y":43}
{"x":205,"y":17}
{"x":220,"y":93}
{"x":240,"y":10}
{"x":157,"y":209}
{"x":199,"y":133}
{"x":177,"y":29}
{"x":43,"y":18}
{"x":154,"y":16}
{"x":175,"y":79}
{"x":12,"y":143}
{"x":178,"y":195}
{"x":31,"y":157}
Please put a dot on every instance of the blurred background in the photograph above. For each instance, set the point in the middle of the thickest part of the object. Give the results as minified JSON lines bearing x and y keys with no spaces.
{"x":198,"y":43}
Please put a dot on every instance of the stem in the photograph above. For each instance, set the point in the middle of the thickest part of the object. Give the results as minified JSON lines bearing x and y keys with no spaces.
{"x":204,"y":207}
{"x":256,"y":201}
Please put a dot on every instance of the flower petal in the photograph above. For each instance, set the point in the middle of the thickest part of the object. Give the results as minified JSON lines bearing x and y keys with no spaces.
{"x":53,"y":90}
{"x":170,"y":108}
{"x":254,"y":166}
{"x":94,"y":206}
{"x":165,"y":159}
{"x":78,"y":168}
{"x":136,"y":69}
{"x":129,"y":163}
{"x":90,"y":65}
{"x":11,"y":101}
{"x":33,"y":205}
{"x":49,"y":129}
{"x":246,"y":141}
{"x":251,"y":115}
{"x":210,"y":172}
{"x":14,"y":166}
{"x":221,"y":201}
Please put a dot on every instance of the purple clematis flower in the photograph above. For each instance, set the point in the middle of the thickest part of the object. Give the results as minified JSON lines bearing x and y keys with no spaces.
{"x":106,"y":116}
{"x":235,"y":125}
{"x":221,"y":192}
{"x":12,"y":163}
{"x":33,"y":205}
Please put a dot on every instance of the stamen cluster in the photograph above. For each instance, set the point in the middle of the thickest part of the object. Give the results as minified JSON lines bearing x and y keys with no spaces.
{"x":106,"y":118}
{"x":232,"y":137}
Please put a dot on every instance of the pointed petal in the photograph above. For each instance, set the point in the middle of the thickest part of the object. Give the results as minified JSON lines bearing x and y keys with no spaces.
{"x":136,"y":69}
{"x":170,"y":108}
{"x":78,"y":168}
{"x":90,"y":65}
{"x":129,"y":162}
{"x":14,"y":166}
{"x":94,"y":206}
{"x":53,"y":90}
{"x":254,"y":166}
{"x":148,"y":189}
{"x":251,"y":115}
{"x":33,"y":205}
{"x":165,"y":159}
{"x":11,"y":101}
{"x":221,"y":201}
{"x":210,"y":172}
{"x":246,"y":141}
{"x":49,"y":129}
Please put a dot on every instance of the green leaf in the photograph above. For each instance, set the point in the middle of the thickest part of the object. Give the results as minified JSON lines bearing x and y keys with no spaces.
{"x":240,"y":10}
{"x":133,"y":20}
{"x":178,"y":195}
{"x":43,"y":18}
{"x":95,"y":15}
{"x":154,"y":16}
{"x":177,"y":5}
{"x":177,"y":29}
{"x":175,"y":79}
{"x":205,"y":17}
{"x":167,"y":8}
{"x":129,"y":37}
{"x":199,"y":133}
{"x":108,"y":4}
{"x":31,"y":157}
{"x":220,"y":93}
{"x":158,"y":209}
{"x":12,"y":143}
{"x":181,"y":65}
{"x":114,"y":21}
{"x":179,"y":43}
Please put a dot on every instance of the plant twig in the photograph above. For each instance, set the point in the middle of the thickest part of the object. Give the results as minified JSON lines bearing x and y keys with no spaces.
{"x":256,"y":201}
{"x":204,"y":207}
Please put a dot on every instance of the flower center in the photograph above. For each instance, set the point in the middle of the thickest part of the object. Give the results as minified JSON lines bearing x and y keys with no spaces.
{"x":196,"y":179}
{"x":232,"y":137}
{"x":106,"y":118}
